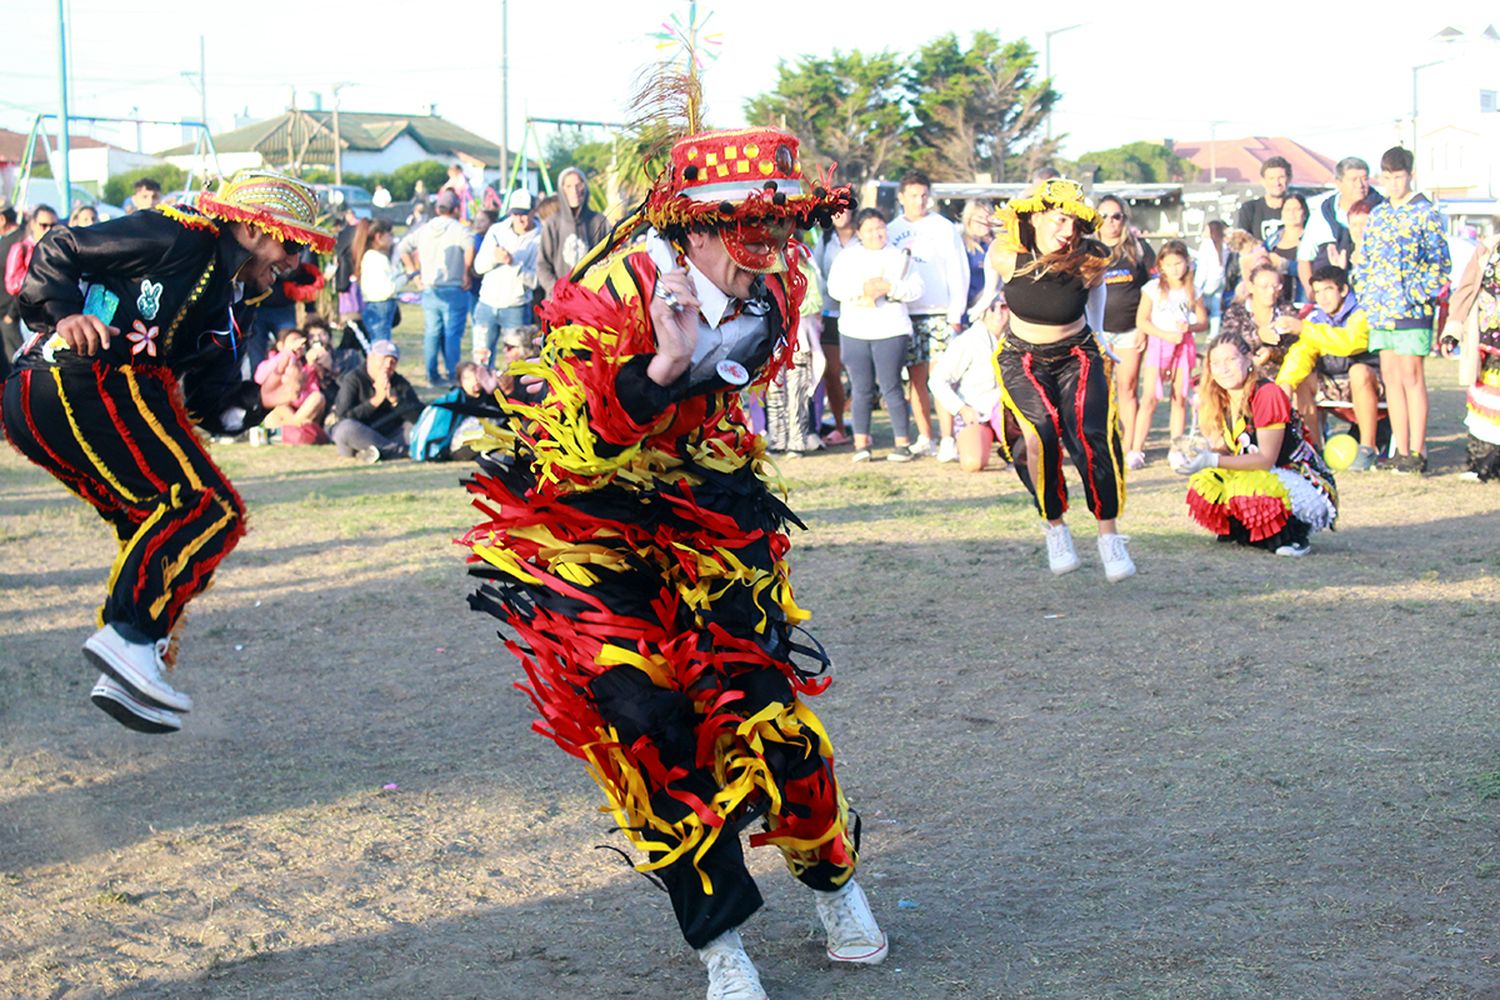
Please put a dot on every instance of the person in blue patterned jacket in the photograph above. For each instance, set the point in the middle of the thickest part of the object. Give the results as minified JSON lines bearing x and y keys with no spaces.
{"x":1400,"y":269}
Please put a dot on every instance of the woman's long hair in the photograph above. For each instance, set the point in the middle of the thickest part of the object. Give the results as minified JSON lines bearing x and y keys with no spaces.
{"x":1128,"y":252}
{"x":974,"y":210}
{"x":364,"y":237}
{"x":1084,"y":257}
{"x":1177,"y":248}
{"x":1215,"y":414}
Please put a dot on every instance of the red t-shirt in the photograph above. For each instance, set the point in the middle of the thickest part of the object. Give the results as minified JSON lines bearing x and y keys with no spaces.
{"x":1270,"y":407}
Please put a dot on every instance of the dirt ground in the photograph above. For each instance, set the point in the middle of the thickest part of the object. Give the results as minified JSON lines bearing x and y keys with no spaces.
{"x":1232,"y":776}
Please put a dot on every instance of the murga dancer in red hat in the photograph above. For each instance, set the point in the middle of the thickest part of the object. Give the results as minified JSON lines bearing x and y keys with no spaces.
{"x":134,"y":346}
{"x":634,"y":546}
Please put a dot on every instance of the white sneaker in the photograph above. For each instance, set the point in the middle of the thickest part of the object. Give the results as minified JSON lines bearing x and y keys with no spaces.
{"x":731,"y":974}
{"x":1294,"y":549}
{"x":1135,"y":460}
{"x":129,"y":711}
{"x":923,"y":446}
{"x":853,"y":935}
{"x":947,"y":450}
{"x":1061,"y":556}
{"x":1116,"y":558}
{"x":137,"y":666}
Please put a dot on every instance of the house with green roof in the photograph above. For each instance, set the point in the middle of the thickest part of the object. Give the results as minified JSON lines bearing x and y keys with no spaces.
{"x":368,"y":142}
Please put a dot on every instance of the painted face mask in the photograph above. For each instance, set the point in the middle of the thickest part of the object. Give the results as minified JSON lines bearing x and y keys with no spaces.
{"x":758,"y":246}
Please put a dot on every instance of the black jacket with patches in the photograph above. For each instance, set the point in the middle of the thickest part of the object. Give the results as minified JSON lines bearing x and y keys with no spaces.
{"x":166,"y":283}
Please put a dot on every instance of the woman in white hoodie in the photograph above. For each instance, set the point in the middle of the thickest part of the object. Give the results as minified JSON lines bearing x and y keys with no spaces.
{"x":872,"y":283}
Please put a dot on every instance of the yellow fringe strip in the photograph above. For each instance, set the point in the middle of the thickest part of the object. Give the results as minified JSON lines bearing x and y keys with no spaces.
{"x":161,"y":433}
{"x":97,"y":462}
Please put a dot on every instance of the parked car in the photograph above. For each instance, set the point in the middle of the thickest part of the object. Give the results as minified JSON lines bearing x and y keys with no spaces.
{"x":46,"y":191}
{"x":335,"y":197}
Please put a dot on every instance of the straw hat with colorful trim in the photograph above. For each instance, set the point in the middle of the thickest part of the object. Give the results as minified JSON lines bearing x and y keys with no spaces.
{"x":274,"y":203}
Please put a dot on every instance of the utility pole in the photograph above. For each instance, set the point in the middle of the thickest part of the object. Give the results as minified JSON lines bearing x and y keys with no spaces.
{"x":338,"y":146}
{"x":1213,"y":151}
{"x":1414,"y":71}
{"x":1047,"y":64}
{"x":203,"y":79}
{"x":64,"y":180}
{"x":504,"y":95}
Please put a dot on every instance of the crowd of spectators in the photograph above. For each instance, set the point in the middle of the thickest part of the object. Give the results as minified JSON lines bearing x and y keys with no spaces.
{"x":1337,"y":296}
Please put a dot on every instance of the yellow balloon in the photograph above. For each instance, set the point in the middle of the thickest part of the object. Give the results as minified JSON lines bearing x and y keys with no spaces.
{"x":1339,"y":451}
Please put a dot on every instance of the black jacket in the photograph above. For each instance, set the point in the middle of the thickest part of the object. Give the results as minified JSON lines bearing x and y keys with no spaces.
{"x":356,"y":389}
{"x":169,"y":283}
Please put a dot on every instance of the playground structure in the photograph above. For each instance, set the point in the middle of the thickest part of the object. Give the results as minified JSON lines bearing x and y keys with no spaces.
{"x":205,"y":156}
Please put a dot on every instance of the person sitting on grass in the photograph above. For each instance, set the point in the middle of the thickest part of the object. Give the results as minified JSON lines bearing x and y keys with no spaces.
{"x":376,"y":407}
{"x":1170,"y":314}
{"x":872,"y":283}
{"x":963,"y":382}
{"x":1334,"y":342}
{"x":300,"y":420}
{"x":1260,"y":481}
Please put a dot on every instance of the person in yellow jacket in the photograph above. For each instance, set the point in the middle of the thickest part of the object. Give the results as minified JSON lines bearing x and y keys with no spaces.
{"x":1334,"y":341}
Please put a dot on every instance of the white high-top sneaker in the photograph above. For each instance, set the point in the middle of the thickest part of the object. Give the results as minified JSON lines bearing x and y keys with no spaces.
{"x":731,"y":974}
{"x":1061,"y":556}
{"x":1116,"y":558}
{"x":853,"y":934}
{"x":137,"y":666}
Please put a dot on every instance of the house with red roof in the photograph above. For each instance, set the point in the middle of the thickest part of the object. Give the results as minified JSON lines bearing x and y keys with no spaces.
{"x":1238,"y":161}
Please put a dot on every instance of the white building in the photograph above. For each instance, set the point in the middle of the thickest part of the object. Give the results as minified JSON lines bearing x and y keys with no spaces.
{"x":1456,"y":99}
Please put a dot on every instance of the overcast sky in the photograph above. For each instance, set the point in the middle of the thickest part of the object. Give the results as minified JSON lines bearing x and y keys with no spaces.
{"x":1149,"y":72}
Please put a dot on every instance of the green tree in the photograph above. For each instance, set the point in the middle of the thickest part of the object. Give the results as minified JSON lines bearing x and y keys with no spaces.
{"x":404,"y":179}
{"x":1138,"y":162}
{"x":592,"y":156}
{"x":119,"y":187}
{"x":978,"y":109}
{"x":849,"y":109}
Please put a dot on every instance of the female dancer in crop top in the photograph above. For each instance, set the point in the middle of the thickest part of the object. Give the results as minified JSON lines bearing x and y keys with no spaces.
{"x":1053,"y":378}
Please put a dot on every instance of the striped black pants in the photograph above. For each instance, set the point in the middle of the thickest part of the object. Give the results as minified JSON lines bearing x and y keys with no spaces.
{"x":119,"y":438}
{"x":1063,"y":394}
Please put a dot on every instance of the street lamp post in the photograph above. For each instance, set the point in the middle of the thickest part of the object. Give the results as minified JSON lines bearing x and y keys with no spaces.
{"x":504,"y":97}
{"x":65,"y":181}
{"x":338,"y":146}
{"x":1414,"y":71}
{"x":1047,"y":64}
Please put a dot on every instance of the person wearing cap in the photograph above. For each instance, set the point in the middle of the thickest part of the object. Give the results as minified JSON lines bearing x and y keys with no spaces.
{"x":507,"y":261}
{"x":135,"y":345}
{"x":962,"y":380}
{"x":636,"y":551}
{"x":375,"y":407}
{"x":1053,"y":378}
{"x":443,"y":250}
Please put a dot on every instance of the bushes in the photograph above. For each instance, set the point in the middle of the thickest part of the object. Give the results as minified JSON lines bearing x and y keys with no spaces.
{"x":119,"y":187}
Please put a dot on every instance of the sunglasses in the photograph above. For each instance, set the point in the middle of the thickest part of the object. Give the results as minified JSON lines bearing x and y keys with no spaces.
{"x":1112,"y":216}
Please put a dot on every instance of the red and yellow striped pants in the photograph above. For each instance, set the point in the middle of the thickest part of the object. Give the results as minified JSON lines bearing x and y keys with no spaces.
{"x":120,"y":438}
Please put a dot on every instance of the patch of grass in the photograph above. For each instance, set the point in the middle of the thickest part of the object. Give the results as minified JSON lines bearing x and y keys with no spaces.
{"x":1487,"y":786}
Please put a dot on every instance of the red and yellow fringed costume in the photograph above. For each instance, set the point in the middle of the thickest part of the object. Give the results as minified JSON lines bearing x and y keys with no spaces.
{"x":635,"y":548}
{"x":1267,"y":508}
